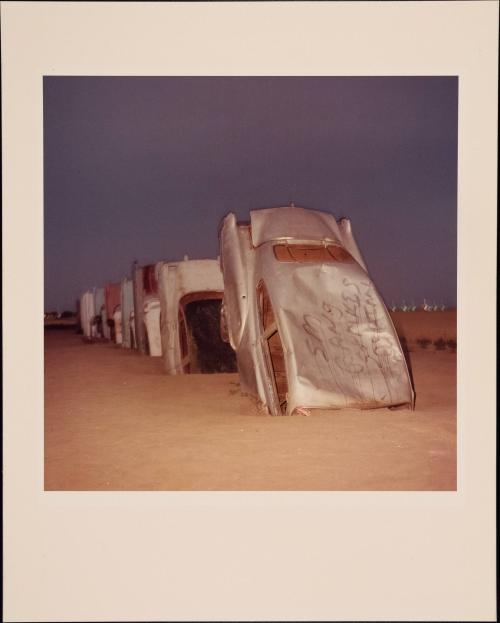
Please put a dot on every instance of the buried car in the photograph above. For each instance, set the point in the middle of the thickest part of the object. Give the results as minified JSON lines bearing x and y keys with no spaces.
{"x":87,"y":312}
{"x":113,"y":308}
{"x":99,"y":304}
{"x":91,"y":309}
{"x":309,"y":328}
{"x":146,"y":309}
{"x":191,"y":294}
{"x":127,"y":308}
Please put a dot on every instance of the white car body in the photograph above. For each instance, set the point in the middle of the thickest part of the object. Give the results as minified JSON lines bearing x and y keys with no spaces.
{"x":190,"y":293}
{"x":87,"y":312}
{"x":309,"y":328}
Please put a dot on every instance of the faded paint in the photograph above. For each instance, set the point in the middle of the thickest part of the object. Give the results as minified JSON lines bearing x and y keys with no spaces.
{"x":330,"y":342}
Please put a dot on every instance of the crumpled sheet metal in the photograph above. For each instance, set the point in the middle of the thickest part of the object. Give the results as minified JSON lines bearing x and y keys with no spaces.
{"x":340,"y":347}
{"x":176,"y":280}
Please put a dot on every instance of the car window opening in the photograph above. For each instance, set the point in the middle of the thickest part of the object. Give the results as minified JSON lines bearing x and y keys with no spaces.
{"x":311,"y":253}
{"x":202,"y":348}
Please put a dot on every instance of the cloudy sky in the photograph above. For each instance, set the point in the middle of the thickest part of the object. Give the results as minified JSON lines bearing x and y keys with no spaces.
{"x":145,"y":168}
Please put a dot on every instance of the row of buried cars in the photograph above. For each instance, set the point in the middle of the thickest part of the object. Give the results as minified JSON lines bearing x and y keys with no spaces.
{"x":288,"y":303}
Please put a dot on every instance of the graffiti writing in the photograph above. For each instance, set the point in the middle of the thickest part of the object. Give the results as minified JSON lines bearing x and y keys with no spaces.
{"x":351,"y":339}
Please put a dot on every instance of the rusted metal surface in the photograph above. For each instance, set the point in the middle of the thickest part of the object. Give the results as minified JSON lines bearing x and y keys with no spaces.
{"x":331,"y":342}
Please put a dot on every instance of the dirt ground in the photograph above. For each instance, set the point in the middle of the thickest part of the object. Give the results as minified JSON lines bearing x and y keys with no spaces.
{"x":114,"y":421}
{"x":420,"y":327}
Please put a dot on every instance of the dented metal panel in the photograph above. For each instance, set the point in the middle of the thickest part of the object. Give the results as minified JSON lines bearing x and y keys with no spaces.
{"x":311,"y":334}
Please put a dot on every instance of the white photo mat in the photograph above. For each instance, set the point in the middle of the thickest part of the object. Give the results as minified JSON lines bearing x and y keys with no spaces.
{"x":248,"y":556}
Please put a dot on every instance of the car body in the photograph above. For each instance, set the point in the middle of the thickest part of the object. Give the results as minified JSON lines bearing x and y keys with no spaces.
{"x":308,"y":326}
{"x":146,"y":308}
{"x":127,"y":308}
{"x":112,"y":304}
{"x":191,"y":294}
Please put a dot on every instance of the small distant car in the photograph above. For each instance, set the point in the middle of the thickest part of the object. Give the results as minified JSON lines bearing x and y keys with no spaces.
{"x":127,"y":309}
{"x":146,"y":309}
{"x":309,"y":328}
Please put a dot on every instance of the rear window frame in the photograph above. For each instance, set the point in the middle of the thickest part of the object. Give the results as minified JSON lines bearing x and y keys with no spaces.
{"x":321,"y":253}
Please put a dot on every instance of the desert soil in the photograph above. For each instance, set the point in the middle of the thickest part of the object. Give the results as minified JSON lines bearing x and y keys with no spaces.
{"x":114,"y":421}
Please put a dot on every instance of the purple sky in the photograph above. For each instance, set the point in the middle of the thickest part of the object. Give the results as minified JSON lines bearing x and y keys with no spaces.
{"x":145,"y":168}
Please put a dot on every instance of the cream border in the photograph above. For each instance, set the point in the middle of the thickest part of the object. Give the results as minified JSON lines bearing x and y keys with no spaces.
{"x":145,"y":556}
